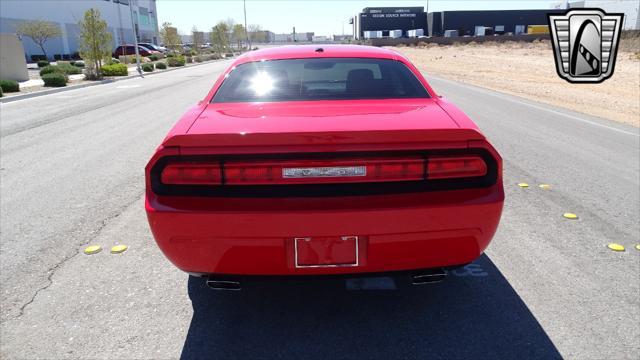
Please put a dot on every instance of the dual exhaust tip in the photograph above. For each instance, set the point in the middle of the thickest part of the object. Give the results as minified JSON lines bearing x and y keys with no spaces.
{"x":417,"y":278}
{"x":428,"y":276}
{"x":217,"y":284}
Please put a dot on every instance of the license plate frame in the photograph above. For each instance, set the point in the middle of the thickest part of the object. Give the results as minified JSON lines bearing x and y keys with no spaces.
{"x":298,"y":265}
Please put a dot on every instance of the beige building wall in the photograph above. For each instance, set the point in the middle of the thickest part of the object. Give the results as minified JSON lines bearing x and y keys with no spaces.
{"x":13,"y":66}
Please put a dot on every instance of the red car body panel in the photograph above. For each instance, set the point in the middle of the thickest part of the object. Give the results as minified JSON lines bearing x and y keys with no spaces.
{"x":259,"y":235}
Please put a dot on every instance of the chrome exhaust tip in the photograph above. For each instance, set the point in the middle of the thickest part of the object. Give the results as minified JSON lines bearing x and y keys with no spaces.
{"x":428,"y":276}
{"x":217,"y":284}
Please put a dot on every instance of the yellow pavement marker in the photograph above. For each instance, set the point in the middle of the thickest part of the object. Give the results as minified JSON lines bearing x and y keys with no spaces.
{"x":92,"y":249}
{"x":544,"y":186}
{"x":523,"y":185}
{"x":570,"y":216}
{"x":615,"y":247}
{"x":637,"y":246}
{"x":119,"y":249}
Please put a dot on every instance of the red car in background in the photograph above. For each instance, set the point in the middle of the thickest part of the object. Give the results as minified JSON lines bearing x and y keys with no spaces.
{"x":131,"y":50}
{"x":322,"y":161}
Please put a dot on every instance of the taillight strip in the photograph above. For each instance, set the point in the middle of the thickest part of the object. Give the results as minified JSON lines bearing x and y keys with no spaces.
{"x":455,"y":167}
{"x":334,"y":171}
{"x":324,"y":171}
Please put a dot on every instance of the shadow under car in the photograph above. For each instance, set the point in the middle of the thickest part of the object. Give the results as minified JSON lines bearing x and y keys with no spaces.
{"x":473,"y":314}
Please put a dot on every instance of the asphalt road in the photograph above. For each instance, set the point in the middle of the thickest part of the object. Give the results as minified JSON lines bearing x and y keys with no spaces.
{"x":71,"y":174}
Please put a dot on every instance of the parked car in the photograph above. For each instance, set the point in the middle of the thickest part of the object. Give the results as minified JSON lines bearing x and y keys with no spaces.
{"x":337,"y":160}
{"x":151,"y":46}
{"x":131,"y":50}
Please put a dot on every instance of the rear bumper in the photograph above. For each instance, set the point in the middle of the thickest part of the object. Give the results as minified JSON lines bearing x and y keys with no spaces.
{"x":256,"y":236}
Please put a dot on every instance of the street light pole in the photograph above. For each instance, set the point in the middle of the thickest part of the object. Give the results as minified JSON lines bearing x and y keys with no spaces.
{"x":135,"y":39}
{"x":246,"y":31}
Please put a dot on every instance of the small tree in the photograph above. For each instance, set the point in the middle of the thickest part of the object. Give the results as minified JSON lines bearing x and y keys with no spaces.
{"x":170,"y":37}
{"x":230,"y":23}
{"x":39,"y":31}
{"x":219,"y":38}
{"x":239,"y":34}
{"x":197,"y":38}
{"x":255,"y":33}
{"x":95,"y":42}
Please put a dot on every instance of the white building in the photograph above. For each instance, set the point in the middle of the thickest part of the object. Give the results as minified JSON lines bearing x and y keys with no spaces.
{"x":630,"y":8}
{"x":67,"y":14}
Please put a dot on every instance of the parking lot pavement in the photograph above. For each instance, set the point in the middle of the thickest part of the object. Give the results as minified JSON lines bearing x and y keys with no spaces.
{"x":136,"y":305}
{"x":72,"y":175}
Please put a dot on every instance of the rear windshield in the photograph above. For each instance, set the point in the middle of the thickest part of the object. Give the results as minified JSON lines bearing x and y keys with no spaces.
{"x":320,"y":79}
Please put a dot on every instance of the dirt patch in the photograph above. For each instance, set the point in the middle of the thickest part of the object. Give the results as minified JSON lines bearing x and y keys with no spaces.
{"x":528,"y":70}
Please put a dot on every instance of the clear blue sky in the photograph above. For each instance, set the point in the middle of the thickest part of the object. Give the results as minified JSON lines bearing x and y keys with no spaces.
{"x":324,"y":17}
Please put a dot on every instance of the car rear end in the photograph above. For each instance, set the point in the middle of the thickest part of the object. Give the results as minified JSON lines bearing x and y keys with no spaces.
{"x":323,"y":187}
{"x":342,"y":205}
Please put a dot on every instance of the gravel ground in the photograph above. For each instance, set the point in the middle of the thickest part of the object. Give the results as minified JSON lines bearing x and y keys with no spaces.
{"x":528,"y":70}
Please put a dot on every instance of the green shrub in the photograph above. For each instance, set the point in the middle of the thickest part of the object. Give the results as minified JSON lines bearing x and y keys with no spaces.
{"x":198,"y":59}
{"x":153,"y":57}
{"x":66,"y":69}
{"x":79,"y":64}
{"x":42,"y":63}
{"x":49,"y":69}
{"x":228,"y":55}
{"x":112,"y":61}
{"x":0,"y":92}
{"x":69,"y":69}
{"x":9,"y":86}
{"x":148,"y":67}
{"x":114,"y":70}
{"x":170,"y":55}
{"x":161,"y":65}
{"x":55,"y":79}
{"x":176,"y":61}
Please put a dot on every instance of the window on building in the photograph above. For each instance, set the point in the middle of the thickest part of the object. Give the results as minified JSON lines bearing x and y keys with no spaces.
{"x":143,"y":16}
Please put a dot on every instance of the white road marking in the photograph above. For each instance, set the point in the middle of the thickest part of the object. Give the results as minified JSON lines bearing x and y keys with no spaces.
{"x":473,"y":270}
{"x":507,"y":97}
{"x":127,"y":86}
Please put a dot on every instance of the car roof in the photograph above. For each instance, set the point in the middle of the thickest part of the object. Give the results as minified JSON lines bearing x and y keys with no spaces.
{"x":313,"y":51}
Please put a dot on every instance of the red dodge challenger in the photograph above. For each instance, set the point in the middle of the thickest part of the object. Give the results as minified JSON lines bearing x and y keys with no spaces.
{"x":307,"y":160}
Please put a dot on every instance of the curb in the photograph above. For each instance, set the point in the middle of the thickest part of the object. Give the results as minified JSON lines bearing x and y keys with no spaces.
{"x":95,"y":83}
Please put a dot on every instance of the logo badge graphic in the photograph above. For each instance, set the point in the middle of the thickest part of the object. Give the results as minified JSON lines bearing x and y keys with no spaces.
{"x":585,"y":42}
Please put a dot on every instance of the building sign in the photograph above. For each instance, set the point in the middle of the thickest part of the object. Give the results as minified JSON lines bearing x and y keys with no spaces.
{"x":392,"y":15}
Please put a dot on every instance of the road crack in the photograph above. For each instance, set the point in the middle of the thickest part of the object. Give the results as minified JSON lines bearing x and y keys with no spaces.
{"x":53,"y":269}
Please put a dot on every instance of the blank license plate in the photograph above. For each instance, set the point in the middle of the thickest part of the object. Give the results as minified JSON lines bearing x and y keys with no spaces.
{"x":326,"y":251}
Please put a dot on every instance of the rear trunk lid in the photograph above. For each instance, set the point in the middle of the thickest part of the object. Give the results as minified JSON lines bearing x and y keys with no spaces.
{"x":338,"y":125}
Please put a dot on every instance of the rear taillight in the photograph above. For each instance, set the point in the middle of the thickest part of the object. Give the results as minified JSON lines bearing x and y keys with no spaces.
{"x":347,"y":170}
{"x":323,"y":171}
{"x":448,"y":167}
{"x":191,"y":174}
